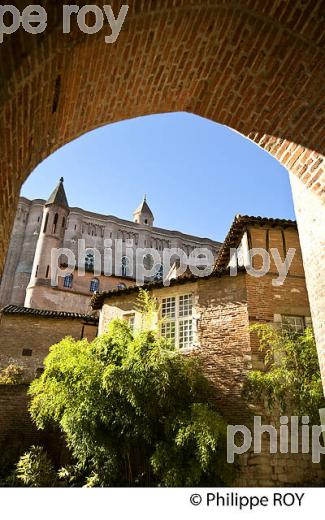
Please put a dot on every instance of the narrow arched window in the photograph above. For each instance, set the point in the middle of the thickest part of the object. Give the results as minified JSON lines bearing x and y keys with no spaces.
{"x":46,"y":223}
{"x":47,"y":271}
{"x":148,"y":262}
{"x":94,"y":285}
{"x":125,"y":266}
{"x":68,"y":281}
{"x":55,"y":222}
{"x":89,"y":262}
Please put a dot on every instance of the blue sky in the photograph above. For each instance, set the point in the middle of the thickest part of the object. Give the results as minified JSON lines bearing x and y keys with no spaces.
{"x":197,"y":174}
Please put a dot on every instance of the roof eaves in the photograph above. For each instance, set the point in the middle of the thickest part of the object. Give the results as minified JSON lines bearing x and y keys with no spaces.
{"x":15,"y":309}
{"x":238,"y":227}
{"x":99,"y":298}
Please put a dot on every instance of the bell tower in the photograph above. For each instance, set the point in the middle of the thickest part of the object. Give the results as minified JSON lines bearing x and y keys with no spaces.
{"x":55,"y":214}
{"x":143,"y":214}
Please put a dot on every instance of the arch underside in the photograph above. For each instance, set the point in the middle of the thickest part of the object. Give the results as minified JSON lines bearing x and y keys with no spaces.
{"x":255,"y":66}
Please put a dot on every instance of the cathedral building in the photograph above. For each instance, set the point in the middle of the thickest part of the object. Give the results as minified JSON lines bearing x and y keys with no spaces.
{"x":43,"y":226}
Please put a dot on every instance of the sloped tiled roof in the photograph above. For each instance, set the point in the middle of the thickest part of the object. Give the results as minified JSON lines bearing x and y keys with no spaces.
{"x":98,"y":299}
{"x":15,"y":309}
{"x":238,"y":227}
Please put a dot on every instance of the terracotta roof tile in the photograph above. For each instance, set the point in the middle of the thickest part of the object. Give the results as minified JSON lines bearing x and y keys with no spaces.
{"x":15,"y":309}
{"x":98,"y":299}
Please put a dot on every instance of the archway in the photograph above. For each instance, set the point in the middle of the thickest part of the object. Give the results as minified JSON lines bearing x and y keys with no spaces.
{"x":256,"y":67}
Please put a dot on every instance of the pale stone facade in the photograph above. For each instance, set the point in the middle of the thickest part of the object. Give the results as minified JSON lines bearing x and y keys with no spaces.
{"x":43,"y":225}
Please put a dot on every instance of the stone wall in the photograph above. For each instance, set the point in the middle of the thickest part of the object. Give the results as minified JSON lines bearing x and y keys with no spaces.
{"x":25,"y":340}
{"x":20,"y":334}
{"x":17,"y":432}
{"x":20,"y":256}
{"x":15,"y":421}
{"x":223,"y":340}
{"x":310,"y":211}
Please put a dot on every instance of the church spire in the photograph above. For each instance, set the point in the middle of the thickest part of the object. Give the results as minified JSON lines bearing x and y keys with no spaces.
{"x":58,"y":196}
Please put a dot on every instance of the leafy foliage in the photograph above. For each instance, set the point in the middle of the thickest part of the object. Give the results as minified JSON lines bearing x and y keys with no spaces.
{"x":133,"y":410}
{"x":292,"y":377}
{"x":11,"y":375}
{"x":146,"y":305}
{"x":34,"y":469}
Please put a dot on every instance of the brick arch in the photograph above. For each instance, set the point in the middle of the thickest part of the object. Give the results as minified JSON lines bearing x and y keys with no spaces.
{"x":255,"y":66}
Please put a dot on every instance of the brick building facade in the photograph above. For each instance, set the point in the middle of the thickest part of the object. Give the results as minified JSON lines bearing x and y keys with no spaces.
{"x":210,"y":317}
{"x":27,"y":334}
{"x":25,"y":338}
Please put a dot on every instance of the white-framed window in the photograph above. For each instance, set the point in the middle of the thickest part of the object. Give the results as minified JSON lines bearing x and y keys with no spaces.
{"x":177,"y":320}
{"x":294,"y":323}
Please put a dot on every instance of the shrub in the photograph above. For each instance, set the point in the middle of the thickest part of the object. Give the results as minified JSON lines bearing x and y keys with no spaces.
{"x":291,"y":379}
{"x":35,"y":469}
{"x":11,"y":375}
{"x":133,"y":411}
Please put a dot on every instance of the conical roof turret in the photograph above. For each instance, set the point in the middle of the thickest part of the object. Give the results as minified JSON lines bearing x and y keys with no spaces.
{"x":58,"y":196}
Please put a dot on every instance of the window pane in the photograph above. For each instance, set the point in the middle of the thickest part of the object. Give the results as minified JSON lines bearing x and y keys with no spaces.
{"x":168,"y":309}
{"x":185,"y":333}
{"x":68,"y":280}
{"x":185,"y":305}
{"x":293,"y":323}
{"x":168,"y":331}
{"x":94,"y":285}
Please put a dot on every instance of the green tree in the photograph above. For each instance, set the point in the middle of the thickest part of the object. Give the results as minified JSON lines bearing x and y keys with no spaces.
{"x":134,"y":411}
{"x":291,"y":379}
